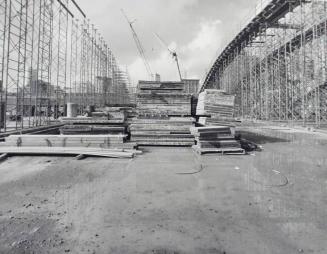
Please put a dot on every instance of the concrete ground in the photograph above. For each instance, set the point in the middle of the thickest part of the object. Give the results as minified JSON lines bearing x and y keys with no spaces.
{"x":169,"y":200}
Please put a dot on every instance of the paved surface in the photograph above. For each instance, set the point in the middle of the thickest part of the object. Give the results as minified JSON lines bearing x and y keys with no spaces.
{"x":169,"y":201}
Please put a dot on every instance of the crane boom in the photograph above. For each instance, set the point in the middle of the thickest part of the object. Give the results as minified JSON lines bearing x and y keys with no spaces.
{"x":139,"y":45}
{"x":173,"y":54}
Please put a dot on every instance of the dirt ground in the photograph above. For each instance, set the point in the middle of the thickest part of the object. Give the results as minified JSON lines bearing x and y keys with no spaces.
{"x":169,"y":200}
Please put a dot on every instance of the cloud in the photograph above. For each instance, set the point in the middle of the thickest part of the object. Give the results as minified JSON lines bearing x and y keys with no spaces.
{"x":192,"y":27}
{"x":207,"y":36}
{"x":203,"y":48}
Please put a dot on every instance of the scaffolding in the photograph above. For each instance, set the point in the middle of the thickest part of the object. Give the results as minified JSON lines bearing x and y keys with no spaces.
{"x":277,"y":65}
{"x":50,"y":54}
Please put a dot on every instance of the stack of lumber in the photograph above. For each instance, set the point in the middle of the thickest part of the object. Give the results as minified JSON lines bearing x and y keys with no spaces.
{"x":99,"y":117}
{"x":165,"y":98}
{"x":216,"y":107}
{"x":216,"y":139}
{"x":99,"y":123}
{"x":163,"y":109}
{"x":68,"y":141}
{"x":164,"y":131}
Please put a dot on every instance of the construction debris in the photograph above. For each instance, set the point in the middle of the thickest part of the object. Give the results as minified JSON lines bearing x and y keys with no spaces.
{"x":216,"y":139}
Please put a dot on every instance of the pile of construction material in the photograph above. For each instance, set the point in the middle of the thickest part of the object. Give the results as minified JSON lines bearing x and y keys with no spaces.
{"x":101,"y":117}
{"x":163,"y":131}
{"x":216,"y":107}
{"x":216,"y":139}
{"x":163,"y":98}
{"x":163,"y":115}
{"x":98,"y":123}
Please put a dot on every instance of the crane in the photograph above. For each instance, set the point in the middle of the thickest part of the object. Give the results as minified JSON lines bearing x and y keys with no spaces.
{"x":173,"y":53}
{"x":139,"y":45}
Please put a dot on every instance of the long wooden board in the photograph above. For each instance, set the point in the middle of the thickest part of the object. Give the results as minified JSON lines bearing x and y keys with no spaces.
{"x":65,"y":151}
{"x":66,"y":140}
{"x":228,"y":151}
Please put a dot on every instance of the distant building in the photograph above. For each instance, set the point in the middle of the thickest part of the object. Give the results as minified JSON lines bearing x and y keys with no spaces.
{"x":157,"y":77}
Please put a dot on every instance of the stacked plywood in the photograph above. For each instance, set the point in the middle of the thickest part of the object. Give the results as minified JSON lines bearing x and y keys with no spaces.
{"x":101,"y":117}
{"x":101,"y":122}
{"x":216,"y":139}
{"x":165,"y":98}
{"x":165,"y":131}
{"x":163,"y":109}
{"x":216,"y":108}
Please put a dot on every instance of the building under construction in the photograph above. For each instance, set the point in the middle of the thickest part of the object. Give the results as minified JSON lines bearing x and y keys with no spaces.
{"x":233,"y":163}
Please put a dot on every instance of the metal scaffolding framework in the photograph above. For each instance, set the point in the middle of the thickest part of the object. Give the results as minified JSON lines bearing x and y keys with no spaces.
{"x":277,"y":65}
{"x":50,"y":54}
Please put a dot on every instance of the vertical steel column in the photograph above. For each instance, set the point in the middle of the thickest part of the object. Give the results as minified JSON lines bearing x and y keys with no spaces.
{"x":3,"y":33}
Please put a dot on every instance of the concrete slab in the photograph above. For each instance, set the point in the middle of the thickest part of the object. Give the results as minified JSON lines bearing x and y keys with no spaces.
{"x":158,"y":203}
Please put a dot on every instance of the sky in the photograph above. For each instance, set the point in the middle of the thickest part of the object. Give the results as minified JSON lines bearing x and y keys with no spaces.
{"x":196,"y":29}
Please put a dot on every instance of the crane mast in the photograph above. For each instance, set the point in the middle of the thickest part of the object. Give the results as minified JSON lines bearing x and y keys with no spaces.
{"x":139,"y":45}
{"x":172,"y":53}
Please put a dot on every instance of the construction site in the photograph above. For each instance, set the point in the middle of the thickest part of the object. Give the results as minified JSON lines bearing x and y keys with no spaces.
{"x":232,"y":162}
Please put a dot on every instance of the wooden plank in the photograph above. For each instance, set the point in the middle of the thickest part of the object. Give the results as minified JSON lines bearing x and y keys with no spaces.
{"x":65,"y":151}
{"x":101,"y":141}
{"x":68,"y":136}
{"x":3,"y":157}
{"x":228,"y":151}
{"x":31,"y":130}
{"x":80,"y":157}
{"x":61,"y":144}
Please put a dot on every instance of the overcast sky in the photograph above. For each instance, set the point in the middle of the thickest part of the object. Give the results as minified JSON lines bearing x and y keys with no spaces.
{"x":196,"y":29}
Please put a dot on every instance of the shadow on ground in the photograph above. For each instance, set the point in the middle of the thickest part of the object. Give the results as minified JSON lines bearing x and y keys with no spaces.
{"x":259,"y":138}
